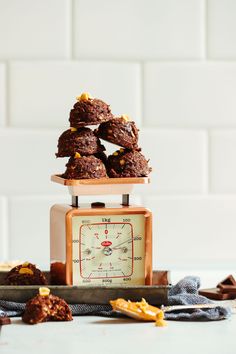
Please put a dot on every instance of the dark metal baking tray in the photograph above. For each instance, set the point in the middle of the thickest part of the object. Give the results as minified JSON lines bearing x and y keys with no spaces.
{"x":155,"y":294}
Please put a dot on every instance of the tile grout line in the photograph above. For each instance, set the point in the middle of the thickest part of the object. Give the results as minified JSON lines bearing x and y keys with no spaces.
{"x":5,"y":253}
{"x":7,"y":96}
{"x":71,"y":29}
{"x":141,"y":93}
{"x":123,"y":60}
{"x":207,"y":166}
{"x":209,"y":162}
{"x":206,"y":30}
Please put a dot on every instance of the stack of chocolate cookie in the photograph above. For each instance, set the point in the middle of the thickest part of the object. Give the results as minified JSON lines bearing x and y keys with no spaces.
{"x":83,"y":145}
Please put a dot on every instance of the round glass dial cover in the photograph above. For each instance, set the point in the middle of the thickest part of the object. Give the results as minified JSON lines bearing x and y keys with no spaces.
{"x":106,"y":250}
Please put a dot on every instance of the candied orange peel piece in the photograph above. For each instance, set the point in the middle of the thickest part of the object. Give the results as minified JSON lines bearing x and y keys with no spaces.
{"x":141,"y":311}
{"x":83,"y":97}
{"x":125,"y":117}
{"x":77,"y":155}
{"x":44,"y":291}
{"x":160,"y":322}
{"x":25,"y":270}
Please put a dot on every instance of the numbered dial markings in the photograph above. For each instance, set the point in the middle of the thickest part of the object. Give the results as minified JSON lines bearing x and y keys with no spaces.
{"x":106,"y":250}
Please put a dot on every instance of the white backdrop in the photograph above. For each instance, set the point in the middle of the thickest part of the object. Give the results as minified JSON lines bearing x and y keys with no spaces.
{"x":170,"y":65}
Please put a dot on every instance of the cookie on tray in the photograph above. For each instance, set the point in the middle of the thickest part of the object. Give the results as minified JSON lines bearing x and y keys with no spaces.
{"x":81,"y":140}
{"x":46,"y":307}
{"x":89,"y":111}
{"x":84,"y":167}
{"x":127,"y":163}
{"x":119,"y":131}
{"x":25,"y":274}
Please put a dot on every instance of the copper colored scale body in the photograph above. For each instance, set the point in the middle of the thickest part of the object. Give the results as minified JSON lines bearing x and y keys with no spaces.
{"x":85,"y":238}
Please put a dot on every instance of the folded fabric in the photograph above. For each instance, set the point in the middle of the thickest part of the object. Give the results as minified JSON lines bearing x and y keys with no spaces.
{"x":13,"y":309}
{"x":185,"y":292}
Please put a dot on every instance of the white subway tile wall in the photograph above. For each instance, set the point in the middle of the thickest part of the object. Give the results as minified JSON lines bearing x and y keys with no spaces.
{"x":171,"y":66}
{"x":39,"y":30}
{"x":50,"y":89}
{"x":191,"y":95}
{"x":221,"y":29}
{"x":196,"y":230}
{"x":141,"y":29}
{"x":179,"y":160}
{"x":33,"y":243}
{"x":3,"y":228}
{"x":222,"y":161}
{"x":2,"y":95}
{"x":25,"y":157}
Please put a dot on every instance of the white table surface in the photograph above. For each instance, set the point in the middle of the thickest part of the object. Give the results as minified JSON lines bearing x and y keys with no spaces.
{"x":98,"y":335}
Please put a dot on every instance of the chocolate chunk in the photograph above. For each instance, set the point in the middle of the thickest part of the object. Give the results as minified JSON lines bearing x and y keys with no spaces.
{"x":5,"y":321}
{"x":229,"y":280}
{"x":119,"y":131}
{"x":126,"y":163}
{"x":227,"y":288}
{"x":46,"y":308}
{"x":214,"y":294}
{"x":89,"y":111}
{"x":85,"y":167}
{"x":25,"y":274}
{"x":82,"y":140}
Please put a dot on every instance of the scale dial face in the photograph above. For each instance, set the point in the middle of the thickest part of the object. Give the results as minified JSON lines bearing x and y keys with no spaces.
{"x":106,"y":250}
{"x":109,"y":250}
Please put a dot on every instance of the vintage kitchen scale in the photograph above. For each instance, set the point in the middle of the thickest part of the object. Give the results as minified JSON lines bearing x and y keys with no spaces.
{"x":100,"y":243}
{"x":99,"y":251}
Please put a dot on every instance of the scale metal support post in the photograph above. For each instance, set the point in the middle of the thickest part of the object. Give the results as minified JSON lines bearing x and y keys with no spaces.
{"x":125,"y":199}
{"x":75,"y":201}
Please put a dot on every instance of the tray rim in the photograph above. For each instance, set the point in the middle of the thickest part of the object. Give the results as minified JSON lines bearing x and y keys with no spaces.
{"x":100,"y":181}
{"x":81,"y":287}
{"x":92,"y":293}
{"x":154,"y":295}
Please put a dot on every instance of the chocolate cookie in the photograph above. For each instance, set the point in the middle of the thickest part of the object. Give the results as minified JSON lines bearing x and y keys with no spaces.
{"x":25,"y":274}
{"x":81,"y":140}
{"x":84,"y":167}
{"x":126,"y":163}
{"x":119,"y":131}
{"x":46,"y":307}
{"x":89,"y":111}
